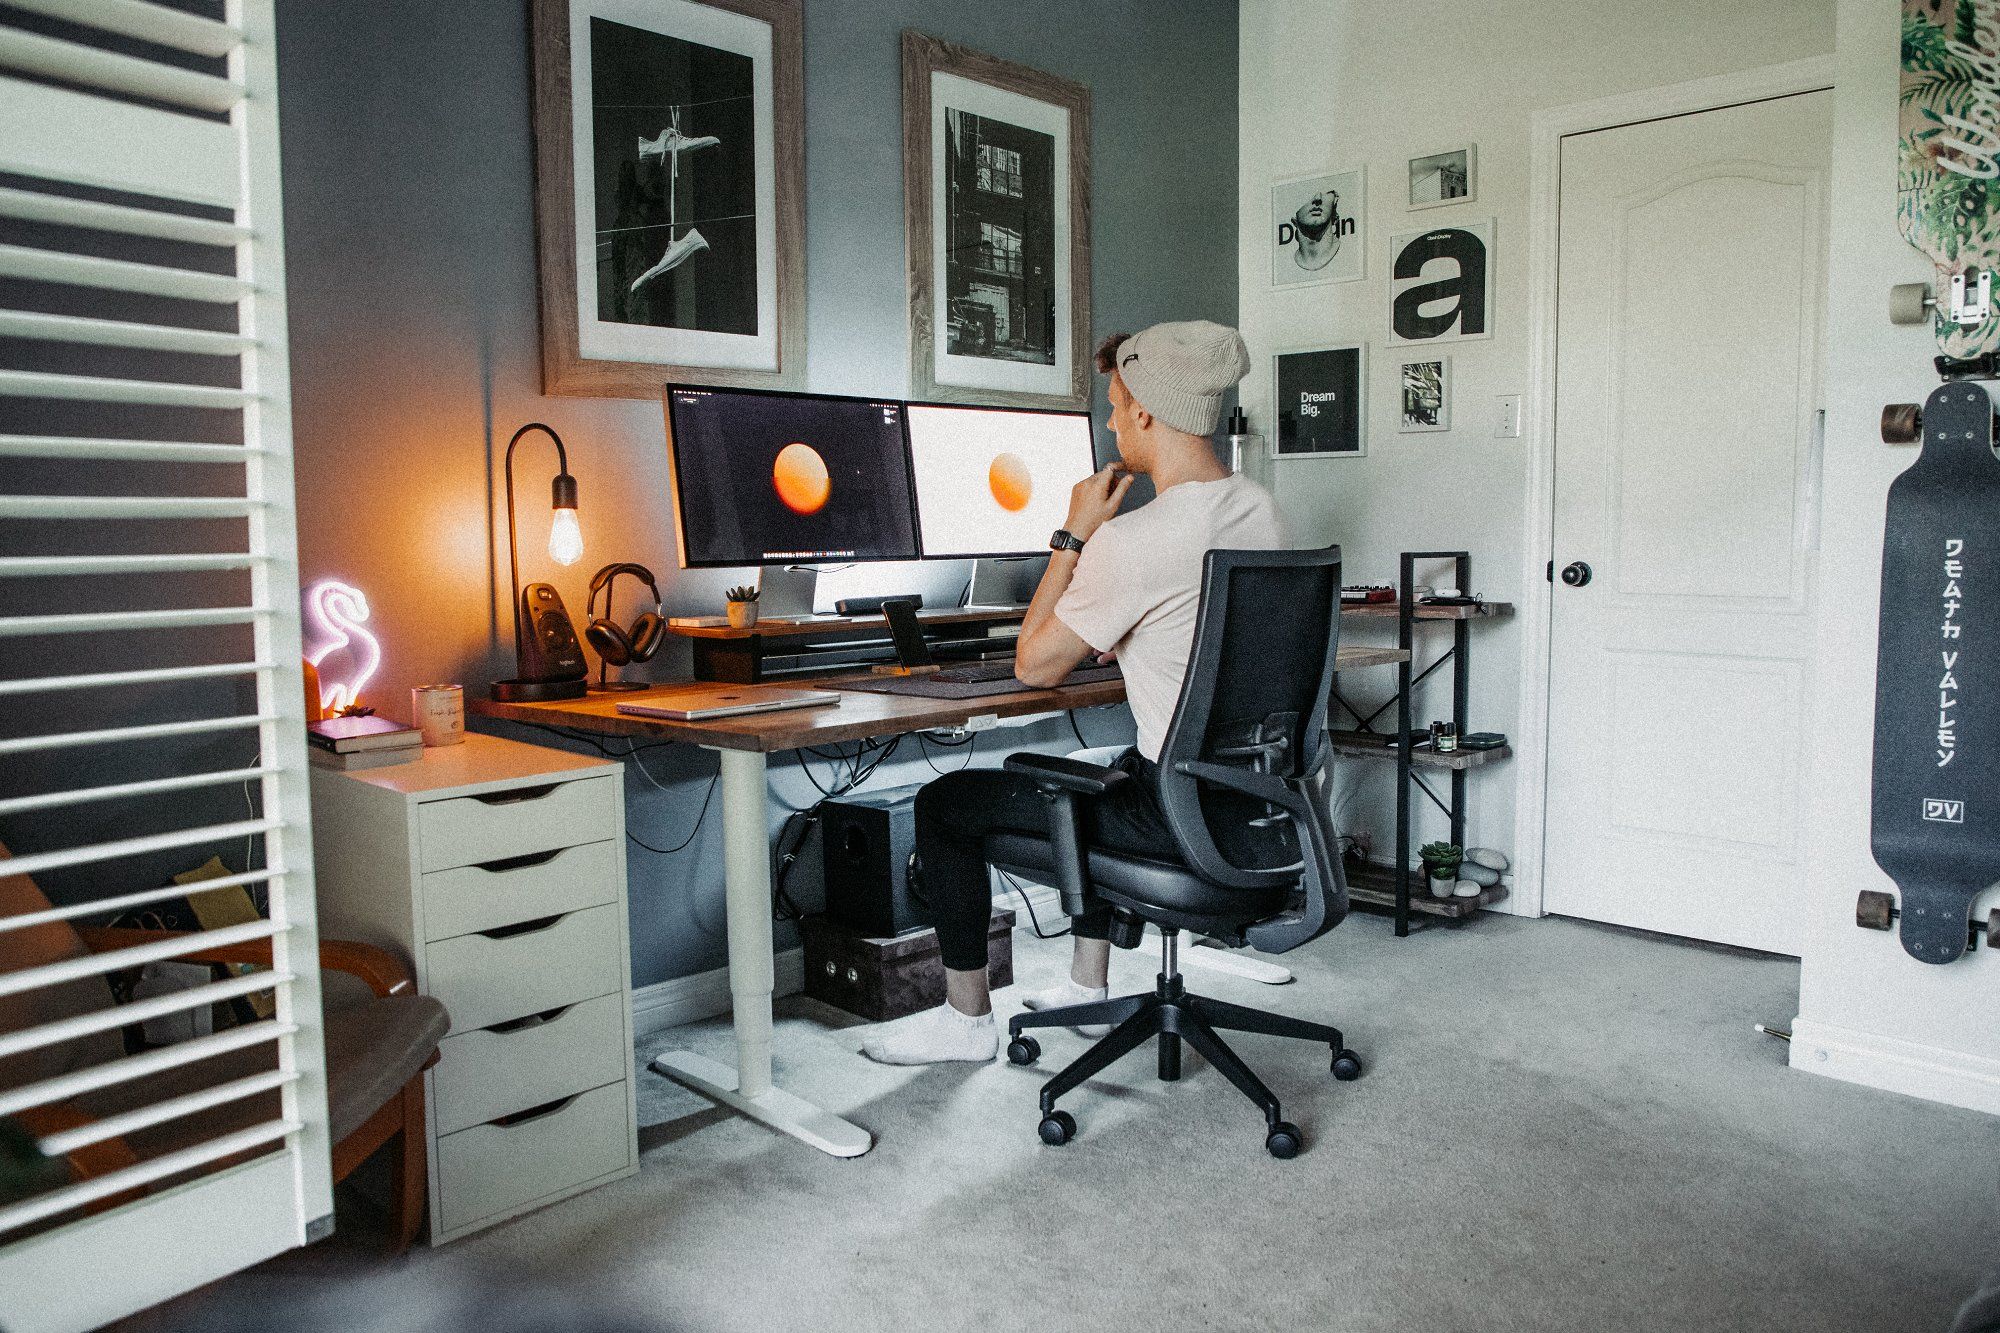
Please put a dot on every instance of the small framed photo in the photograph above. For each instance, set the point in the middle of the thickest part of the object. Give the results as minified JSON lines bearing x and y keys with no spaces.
{"x":1437,"y":179}
{"x":1425,"y":387}
{"x":1317,"y":228}
{"x":1321,"y":407}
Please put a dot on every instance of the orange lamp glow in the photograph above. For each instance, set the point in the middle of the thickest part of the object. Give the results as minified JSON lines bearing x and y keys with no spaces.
{"x":800,"y":478}
{"x":1009,"y":480}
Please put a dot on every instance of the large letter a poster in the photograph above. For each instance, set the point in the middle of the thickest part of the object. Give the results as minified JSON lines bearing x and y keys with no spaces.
{"x":1441,"y":284}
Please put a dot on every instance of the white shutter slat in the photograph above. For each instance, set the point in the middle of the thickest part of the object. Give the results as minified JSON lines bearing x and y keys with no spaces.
{"x":30,"y":206}
{"x":52,"y":58}
{"x":127,"y":506}
{"x":139,"y":1011}
{"x":118,"y":333}
{"x":93,"y":622}
{"x":115,"y":960}
{"x":55,"y":1145}
{"x":134,"y":148}
{"x":147,"y":676}
{"x":136,"y":451}
{"x":145,"y":731}
{"x":96,"y":389}
{"x":112,"y":851}
{"x":118,"y":275}
{"x":148,"y":22}
{"x":159,"y":1168}
{"x":113,"y":1072}
{"x":45,"y":566}
{"x":100,"y":906}
{"x":125,"y":790}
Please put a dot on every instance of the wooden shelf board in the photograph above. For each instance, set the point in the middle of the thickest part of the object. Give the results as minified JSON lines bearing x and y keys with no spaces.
{"x":1375,"y":887}
{"x":1483,"y":611}
{"x":1369,"y":745}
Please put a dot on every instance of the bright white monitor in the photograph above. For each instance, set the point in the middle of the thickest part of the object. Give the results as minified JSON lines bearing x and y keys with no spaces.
{"x":994,"y":481}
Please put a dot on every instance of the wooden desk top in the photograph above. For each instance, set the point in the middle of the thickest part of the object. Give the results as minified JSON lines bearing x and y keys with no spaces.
{"x":858,"y":716}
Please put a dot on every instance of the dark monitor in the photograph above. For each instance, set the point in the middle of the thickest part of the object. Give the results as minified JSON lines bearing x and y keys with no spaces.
{"x":769,"y":478}
{"x":994,"y":481}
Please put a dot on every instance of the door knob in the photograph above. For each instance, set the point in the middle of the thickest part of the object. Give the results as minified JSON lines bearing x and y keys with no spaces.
{"x":1576,"y":573}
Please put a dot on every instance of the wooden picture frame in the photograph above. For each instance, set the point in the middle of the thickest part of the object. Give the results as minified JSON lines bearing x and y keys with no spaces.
{"x":751,"y":341}
{"x":1004,"y":319}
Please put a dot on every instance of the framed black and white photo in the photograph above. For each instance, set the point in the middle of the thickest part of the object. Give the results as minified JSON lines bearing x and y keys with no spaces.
{"x":1317,"y":228}
{"x":1321,"y":402}
{"x":1450,"y":177}
{"x":1441,"y":284}
{"x":996,"y":184}
{"x":670,"y":211}
{"x":1425,"y":390}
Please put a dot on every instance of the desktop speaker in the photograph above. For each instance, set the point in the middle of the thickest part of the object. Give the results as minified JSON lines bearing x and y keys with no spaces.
{"x":865,"y":849}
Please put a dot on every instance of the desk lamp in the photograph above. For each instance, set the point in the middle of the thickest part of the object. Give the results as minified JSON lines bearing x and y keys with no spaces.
{"x":548,"y":661}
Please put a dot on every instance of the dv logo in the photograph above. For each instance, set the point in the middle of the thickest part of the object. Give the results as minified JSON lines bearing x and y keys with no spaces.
{"x":1944,"y":812}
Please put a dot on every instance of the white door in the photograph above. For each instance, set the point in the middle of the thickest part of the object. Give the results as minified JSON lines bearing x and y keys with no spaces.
{"x":1691,"y":270}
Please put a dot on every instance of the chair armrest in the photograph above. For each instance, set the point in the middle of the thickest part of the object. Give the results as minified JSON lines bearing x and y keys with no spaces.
{"x":382,"y":970}
{"x":1051,"y":771}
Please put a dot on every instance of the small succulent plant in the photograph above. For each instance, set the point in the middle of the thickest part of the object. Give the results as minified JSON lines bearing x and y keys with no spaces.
{"x":1441,"y":858}
{"x":744,"y":594}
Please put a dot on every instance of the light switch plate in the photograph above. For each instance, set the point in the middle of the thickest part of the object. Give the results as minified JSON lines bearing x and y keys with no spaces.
{"x":1507,"y":421}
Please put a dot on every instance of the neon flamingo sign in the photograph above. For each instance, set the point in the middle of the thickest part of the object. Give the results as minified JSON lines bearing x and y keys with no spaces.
{"x":337,"y":611}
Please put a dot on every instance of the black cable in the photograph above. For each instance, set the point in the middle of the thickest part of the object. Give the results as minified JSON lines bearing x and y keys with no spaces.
{"x":1034,"y":923}
{"x":700,"y":816}
{"x":1073,"y":726}
{"x":924,"y":743}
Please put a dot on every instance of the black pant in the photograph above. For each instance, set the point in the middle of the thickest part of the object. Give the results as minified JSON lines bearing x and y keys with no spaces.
{"x":955,"y":813}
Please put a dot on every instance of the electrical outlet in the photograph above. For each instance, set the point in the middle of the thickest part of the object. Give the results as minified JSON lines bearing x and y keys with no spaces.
{"x":1507,"y":422}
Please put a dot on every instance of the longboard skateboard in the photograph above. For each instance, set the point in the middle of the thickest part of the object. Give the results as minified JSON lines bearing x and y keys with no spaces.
{"x":1936,"y":812}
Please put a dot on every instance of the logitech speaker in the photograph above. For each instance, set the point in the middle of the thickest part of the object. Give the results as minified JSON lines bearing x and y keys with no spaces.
{"x":866,"y":844}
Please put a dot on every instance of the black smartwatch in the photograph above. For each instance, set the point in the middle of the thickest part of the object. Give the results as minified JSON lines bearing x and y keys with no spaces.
{"x":1065,"y":540}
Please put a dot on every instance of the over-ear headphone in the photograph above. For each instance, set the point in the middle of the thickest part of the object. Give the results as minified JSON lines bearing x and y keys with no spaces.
{"x":622,"y":647}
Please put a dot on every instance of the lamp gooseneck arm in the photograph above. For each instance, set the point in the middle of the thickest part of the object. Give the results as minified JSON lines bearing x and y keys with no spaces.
{"x":513,"y":544}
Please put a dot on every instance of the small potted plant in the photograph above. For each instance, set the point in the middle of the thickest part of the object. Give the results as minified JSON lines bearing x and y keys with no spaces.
{"x":742,"y":607}
{"x":1441,"y":861}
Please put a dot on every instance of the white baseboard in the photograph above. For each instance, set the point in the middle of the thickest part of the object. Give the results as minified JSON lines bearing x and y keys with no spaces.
{"x":669,"y":1004}
{"x":1952,"y":1077}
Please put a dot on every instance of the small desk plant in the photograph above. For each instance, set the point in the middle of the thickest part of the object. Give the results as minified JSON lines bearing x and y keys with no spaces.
{"x":742,"y":607}
{"x":1441,"y":861}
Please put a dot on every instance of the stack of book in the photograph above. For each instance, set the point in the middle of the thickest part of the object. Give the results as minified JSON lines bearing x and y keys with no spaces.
{"x":362,"y":742}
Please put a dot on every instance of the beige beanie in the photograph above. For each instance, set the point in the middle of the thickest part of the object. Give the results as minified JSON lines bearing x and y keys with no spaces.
{"x":1180,"y":371}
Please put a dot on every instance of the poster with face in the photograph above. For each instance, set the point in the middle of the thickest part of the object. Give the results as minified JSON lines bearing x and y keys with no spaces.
{"x":1316,"y":229}
{"x":1441,"y":284}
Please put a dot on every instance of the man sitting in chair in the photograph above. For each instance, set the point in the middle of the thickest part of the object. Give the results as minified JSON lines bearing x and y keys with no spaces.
{"x":1118,"y":585}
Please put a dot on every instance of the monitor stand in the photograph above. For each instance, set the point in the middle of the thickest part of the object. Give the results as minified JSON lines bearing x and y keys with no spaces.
{"x":785,"y":592}
{"x":995,"y":583}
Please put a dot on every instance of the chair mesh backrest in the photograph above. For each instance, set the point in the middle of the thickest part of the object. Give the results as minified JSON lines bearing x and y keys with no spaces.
{"x":1259,"y":676}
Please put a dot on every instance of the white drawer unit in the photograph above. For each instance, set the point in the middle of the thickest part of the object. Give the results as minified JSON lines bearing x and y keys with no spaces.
{"x":498,"y":870}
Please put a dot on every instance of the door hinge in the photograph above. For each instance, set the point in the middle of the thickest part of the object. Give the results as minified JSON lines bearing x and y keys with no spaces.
{"x":1551,"y":575}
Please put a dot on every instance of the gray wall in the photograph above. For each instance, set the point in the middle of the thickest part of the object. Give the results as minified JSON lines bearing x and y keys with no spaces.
{"x":415,"y":351}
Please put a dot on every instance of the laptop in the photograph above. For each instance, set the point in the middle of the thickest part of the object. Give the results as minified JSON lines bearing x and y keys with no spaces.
{"x":700,"y":704}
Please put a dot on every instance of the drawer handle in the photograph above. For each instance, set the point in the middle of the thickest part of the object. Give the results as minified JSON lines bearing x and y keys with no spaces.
{"x":523,"y":927}
{"x":532,"y":1020}
{"x":521,"y":862}
{"x":534,"y":1112}
{"x":517,"y":795}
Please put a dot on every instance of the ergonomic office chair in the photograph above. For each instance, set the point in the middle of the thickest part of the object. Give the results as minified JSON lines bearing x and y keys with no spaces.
{"x":1239,"y":783}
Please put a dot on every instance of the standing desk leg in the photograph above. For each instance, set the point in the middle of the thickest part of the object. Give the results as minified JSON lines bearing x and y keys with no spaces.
{"x":748,"y":1088}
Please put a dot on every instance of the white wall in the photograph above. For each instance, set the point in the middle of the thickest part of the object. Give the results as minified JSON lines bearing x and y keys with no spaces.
{"x":1330,"y":84}
{"x":1867,"y":1011}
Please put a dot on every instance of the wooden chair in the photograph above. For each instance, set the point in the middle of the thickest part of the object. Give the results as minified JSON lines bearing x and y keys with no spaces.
{"x":376,"y":1052}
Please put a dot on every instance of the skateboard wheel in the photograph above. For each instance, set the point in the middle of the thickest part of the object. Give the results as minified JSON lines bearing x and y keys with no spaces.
{"x":1909,"y":303}
{"x":1902,"y":423}
{"x":1874,"y":910}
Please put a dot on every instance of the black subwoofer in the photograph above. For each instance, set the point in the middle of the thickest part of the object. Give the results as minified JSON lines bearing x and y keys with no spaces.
{"x":867,"y":841}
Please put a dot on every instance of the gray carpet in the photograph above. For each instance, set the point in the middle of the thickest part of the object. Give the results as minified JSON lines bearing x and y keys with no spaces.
{"x":1562,"y":1127}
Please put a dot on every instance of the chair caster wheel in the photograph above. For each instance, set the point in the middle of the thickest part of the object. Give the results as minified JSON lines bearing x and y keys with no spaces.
{"x":1346,"y":1066}
{"x":1023,"y":1050}
{"x":1058,"y":1128}
{"x":1284,"y":1140}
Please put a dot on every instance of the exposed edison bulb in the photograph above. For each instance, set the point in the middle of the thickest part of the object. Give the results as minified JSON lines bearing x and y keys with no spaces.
{"x":565,"y":538}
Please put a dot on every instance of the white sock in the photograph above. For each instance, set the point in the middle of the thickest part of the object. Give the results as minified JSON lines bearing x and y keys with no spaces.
{"x":935,"y":1036}
{"x":1070,"y":991}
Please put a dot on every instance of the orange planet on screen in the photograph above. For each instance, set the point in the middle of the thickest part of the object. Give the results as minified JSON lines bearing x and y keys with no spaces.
{"x":800,"y":478}
{"x":1010,"y":482}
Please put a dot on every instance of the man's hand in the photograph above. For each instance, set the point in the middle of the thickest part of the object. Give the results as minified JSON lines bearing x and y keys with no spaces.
{"x":1095,"y":499}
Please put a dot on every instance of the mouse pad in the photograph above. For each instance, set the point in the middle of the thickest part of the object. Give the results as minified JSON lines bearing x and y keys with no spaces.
{"x":924,"y":687}
{"x":1936,"y":825}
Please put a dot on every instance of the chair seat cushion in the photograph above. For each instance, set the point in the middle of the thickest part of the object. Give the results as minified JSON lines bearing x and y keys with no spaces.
{"x":1153,"y":887}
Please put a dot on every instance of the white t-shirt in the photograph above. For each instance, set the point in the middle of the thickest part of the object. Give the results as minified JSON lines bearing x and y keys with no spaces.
{"x":1137,"y":585}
